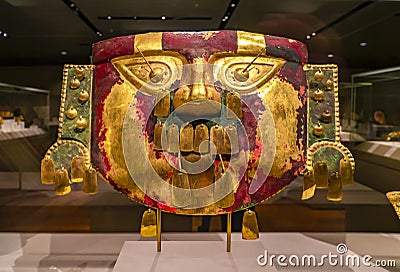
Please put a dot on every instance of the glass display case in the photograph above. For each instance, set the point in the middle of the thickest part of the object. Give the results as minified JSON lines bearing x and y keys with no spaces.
{"x":374,"y":110}
{"x":24,"y":137}
{"x":372,"y":120}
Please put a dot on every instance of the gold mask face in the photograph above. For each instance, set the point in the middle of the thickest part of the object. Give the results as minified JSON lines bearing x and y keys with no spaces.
{"x":199,"y":122}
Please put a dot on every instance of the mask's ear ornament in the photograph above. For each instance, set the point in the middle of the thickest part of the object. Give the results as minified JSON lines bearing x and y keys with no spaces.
{"x":332,"y":163}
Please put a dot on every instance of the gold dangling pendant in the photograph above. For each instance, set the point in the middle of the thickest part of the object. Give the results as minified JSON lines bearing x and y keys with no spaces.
{"x":90,"y":184}
{"x":148,"y":227}
{"x":308,"y":184}
{"x":335,"y":192}
{"x":163,"y":105}
{"x":321,"y":174}
{"x":62,"y":184}
{"x":47,"y":171}
{"x":250,"y":226}
{"x":234,"y":106}
{"x":346,"y":172}
{"x":78,"y":169}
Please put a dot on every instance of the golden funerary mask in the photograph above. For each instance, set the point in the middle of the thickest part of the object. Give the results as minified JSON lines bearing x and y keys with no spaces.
{"x":199,"y":122}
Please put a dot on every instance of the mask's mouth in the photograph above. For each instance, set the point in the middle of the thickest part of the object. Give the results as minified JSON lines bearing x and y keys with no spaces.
{"x":205,"y":109}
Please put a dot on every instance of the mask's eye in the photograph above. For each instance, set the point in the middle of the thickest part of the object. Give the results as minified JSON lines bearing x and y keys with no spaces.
{"x":245,"y":74}
{"x":159,"y":72}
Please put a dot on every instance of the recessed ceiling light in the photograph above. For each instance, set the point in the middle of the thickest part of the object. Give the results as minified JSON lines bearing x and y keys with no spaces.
{"x":5,"y":35}
{"x":330,"y":55}
{"x":64,"y":53}
{"x":363,"y":44}
{"x":1,"y":32}
{"x":163,"y":18}
{"x":99,"y":33}
{"x":223,"y":19}
{"x":308,"y":37}
{"x":109,"y":17}
{"x":313,"y":34}
{"x":233,"y":5}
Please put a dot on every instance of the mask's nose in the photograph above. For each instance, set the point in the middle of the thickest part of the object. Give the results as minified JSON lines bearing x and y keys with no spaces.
{"x":200,"y":91}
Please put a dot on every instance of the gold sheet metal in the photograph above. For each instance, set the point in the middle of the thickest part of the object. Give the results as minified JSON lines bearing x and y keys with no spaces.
{"x":394,"y":198}
{"x":78,"y":169}
{"x":335,"y":192}
{"x":201,"y":139}
{"x":308,"y":185}
{"x":148,"y":227}
{"x":250,"y":226}
{"x":62,"y":184}
{"x":47,"y":170}
{"x":346,"y":172}
{"x":321,"y":174}
{"x":90,"y":184}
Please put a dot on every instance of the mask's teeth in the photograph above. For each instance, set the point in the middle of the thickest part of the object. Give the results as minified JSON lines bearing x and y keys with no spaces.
{"x":234,"y":105}
{"x":160,"y":136}
{"x":231,"y":139}
{"x":163,"y":104}
{"x":186,"y":138}
{"x":201,"y":135}
{"x":217,"y":137}
{"x":173,"y":138}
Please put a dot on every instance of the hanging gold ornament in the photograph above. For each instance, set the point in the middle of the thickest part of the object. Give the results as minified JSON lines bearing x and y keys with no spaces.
{"x":148,"y":227}
{"x":83,"y":96}
{"x":81,"y":123}
{"x":335,"y":192}
{"x":90,"y":183}
{"x":326,"y":117}
{"x":308,"y":184}
{"x":71,"y":113}
{"x":318,"y":130}
{"x":319,"y":76}
{"x":321,"y":174}
{"x":346,"y":172}
{"x":250,"y":226}
{"x":47,"y":171}
{"x":160,"y":136}
{"x":217,"y":137}
{"x":80,"y":73}
{"x":318,"y":95}
{"x":62,"y":184}
{"x":75,"y":83}
{"x":78,"y":169}
{"x":329,"y":84}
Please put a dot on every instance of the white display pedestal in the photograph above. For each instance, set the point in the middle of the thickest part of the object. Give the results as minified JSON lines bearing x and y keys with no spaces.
{"x":185,"y":252}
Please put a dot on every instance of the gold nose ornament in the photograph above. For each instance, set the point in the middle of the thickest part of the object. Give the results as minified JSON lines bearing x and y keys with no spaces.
{"x":201,"y":135}
{"x":346,"y":171}
{"x":326,"y":117}
{"x":250,"y":226}
{"x":318,"y":95}
{"x":71,"y":113}
{"x":335,"y":192}
{"x":234,"y":105}
{"x":186,"y":138}
{"x":163,"y":104}
{"x":83,"y":96}
{"x":62,"y":184}
{"x":78,"y":169}
{"x":75,"y":83}
{"x":217,"y":137}
{"x":321,"y":174}
{"x":173,"y":138}
{"x":160,"y":136}
{"x":47,"y":170}
{"x":308,"y":184}
{"x":318,"y":130}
